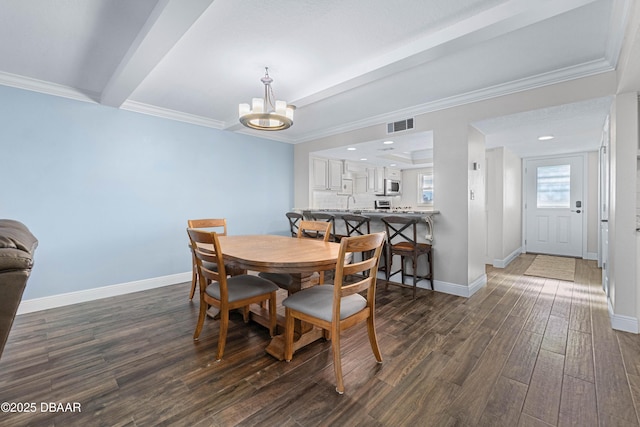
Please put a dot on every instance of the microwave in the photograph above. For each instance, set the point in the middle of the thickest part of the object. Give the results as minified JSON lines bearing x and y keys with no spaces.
{"x":392,"y":187}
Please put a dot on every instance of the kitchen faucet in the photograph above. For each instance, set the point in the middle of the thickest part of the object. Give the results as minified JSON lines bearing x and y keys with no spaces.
{"x":350,"y":196}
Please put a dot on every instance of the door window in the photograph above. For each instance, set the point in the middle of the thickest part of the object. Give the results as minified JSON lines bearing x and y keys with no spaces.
{"x":553,"y":185}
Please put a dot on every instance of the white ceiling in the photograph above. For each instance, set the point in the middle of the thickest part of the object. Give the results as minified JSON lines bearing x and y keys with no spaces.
{"x":344,"y":64}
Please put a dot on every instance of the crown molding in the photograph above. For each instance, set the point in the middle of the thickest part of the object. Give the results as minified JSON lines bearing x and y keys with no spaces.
{"x":165,"y":113}
{"x":570,"y":73}
{"x":559,"y":76}
{"x":47,"y":88}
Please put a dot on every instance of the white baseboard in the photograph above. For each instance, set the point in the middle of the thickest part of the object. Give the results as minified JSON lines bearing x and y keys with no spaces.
{"x":444,"y":287}
{"x":461,"y":290}
{"x":622,"y":323}
{"x":591,"y":256}
{"x":502,"y":263}
{"x":60,"y":300}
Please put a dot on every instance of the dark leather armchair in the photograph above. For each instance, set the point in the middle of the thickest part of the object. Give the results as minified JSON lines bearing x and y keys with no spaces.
{"x":17,"y":246}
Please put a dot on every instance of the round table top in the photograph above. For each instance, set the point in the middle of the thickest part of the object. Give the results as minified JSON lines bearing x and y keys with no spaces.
{"x":280,"y":254}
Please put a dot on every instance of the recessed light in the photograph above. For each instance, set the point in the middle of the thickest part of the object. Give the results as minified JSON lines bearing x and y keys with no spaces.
{"x":388,"y":142}
{"x":545,"y":137}
{"x":351,"y":149}
{"x":363,"y":159}
{"x":392,"y":164}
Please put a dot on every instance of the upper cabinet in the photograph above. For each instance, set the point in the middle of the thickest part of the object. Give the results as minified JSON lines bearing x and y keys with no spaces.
{"x":326,"y":174}
{"x":392,"y":173}
{"x":329,"y":174}
{"x":335,"y":174}
{"x":375,"y":180}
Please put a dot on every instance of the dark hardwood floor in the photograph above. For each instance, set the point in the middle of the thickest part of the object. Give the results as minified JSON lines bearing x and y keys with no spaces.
{"x":522,"y":351}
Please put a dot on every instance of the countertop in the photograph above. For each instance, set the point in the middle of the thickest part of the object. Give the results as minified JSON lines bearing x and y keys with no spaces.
{"x":376,"y":212}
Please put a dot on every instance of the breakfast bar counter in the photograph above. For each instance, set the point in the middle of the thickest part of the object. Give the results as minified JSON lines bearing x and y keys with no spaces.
{"x":425,"y":228}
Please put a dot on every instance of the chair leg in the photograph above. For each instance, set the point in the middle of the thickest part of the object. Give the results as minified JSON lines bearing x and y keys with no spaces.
{"x":337,"y":366}
{"x":415,"y":274}
{"x":388,"y":263}
{"x":224,"y":326}
{"x":288,"y":335}
{"x":245,"y":314}
{"x":273,"y":315}
{"x":373,"y":338}
{"x":203,"y":313}
{"x":194,"y":278}
{"x":430,"y":260}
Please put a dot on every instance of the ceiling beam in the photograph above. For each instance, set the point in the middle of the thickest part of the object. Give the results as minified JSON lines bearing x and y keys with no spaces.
{"x":166,"y":25}
{"x":502,"y":19}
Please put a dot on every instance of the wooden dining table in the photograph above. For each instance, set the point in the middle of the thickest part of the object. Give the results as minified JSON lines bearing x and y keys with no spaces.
{"x":282,"y":254}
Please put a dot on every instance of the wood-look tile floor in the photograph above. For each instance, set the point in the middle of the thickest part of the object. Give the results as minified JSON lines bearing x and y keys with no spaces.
{"x":523,"y":351}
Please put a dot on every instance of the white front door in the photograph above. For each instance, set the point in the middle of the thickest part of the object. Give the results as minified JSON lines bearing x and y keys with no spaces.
{"x":554,"y":205}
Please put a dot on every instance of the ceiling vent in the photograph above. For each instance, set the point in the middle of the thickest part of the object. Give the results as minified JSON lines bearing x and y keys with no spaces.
{"x":400,"y":126}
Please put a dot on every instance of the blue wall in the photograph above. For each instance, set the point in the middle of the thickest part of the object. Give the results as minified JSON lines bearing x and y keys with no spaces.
{"x":108,"y":192}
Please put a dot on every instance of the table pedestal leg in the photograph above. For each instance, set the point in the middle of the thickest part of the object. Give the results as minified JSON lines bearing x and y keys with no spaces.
{"x":304,"y":333}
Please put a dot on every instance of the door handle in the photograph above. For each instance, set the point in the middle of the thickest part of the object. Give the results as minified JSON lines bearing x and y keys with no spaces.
{"x":578,"y":211}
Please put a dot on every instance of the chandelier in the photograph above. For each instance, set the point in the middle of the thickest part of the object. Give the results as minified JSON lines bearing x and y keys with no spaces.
{"x":265,"y":113}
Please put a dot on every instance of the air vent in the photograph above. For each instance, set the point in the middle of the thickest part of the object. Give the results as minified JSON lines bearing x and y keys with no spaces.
{"x":400,"y":126}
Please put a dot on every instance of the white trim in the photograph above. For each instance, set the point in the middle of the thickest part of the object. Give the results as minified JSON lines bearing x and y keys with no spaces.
{"x":60,"y":300}
{"x":48,"y":88}
{"x":461,"y":290}
{"x":592,"y":256}
{"x":502,"y":263}
{"x":165,"y":113}
{"x":622,"y":323}
{"x":558,"y":76}
{"x":588,"y":69}
{"x":445,"y":287}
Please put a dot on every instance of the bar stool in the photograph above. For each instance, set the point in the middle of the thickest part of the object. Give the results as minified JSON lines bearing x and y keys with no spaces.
{"x":402,"y":234}
{"x":357,"y":225}
{"x":294,"y":218}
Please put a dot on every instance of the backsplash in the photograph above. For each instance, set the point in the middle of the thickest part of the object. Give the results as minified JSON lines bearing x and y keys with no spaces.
{"x":331,"y":200}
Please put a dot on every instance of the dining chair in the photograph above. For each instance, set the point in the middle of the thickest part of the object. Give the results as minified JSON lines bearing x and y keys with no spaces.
{"x":357,"y":225}
{"x":218,"y":224}
{"x":306,"y":230}
{"x":226,"y":293}
{"x":339,"y":306}
{"x":402,"y":235}
{"x":327,"y":217}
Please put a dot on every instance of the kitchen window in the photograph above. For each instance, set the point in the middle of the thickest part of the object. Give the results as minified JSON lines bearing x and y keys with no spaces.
{"x":425,"y":188}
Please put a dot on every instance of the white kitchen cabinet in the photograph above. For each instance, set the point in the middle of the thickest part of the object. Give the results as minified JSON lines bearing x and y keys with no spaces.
{"x":335,"y":174}
{"x":354,"y":168}
{"x":371,"y":180}
{"x":361,"y":184}
{"x":379,"y":181}
{"x":320,"y":180}
{"x":326,"y":174}
{"x":375,"y":177}
{"x":392,"y":173}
